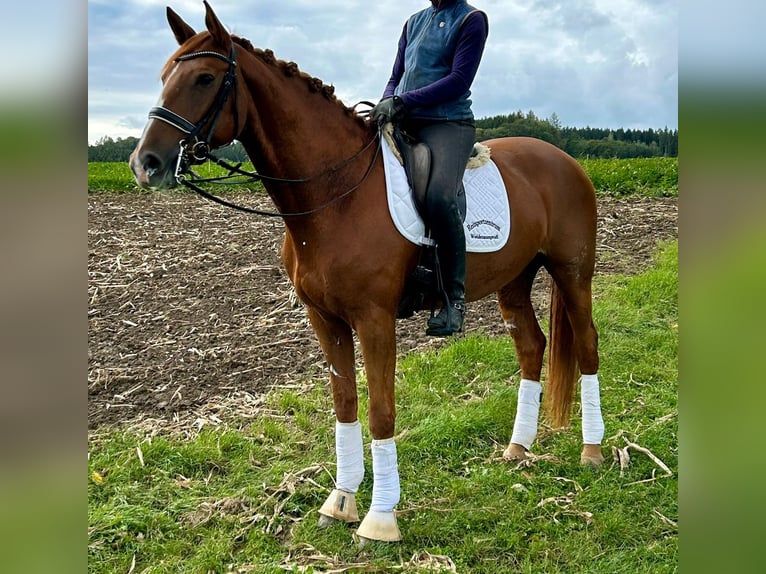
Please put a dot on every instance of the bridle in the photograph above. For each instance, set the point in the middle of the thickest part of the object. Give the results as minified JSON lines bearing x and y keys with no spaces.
{"x":195,"y":151}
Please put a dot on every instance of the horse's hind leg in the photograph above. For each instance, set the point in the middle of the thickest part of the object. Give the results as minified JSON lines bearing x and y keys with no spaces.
{"x":529,"y":340}
{"x":574,"y":284}
{"x":337,"y":344}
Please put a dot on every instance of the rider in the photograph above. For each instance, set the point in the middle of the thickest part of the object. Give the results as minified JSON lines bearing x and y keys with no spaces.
{"x":428,"y":93}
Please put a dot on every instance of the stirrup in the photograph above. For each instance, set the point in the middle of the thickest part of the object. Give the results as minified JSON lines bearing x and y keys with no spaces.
{"x":448,"y":321}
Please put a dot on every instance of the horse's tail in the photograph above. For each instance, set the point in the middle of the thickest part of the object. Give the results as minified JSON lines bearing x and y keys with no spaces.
{"x":562,"y":362}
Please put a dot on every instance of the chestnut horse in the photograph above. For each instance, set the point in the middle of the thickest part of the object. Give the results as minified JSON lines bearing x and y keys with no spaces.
{"x":321,"y":166}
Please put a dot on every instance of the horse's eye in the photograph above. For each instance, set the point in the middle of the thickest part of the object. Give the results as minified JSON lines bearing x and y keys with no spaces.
{"x":205,"y":79}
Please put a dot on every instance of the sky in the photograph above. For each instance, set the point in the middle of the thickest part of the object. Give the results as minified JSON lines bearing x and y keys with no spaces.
{"x":598,"y":63}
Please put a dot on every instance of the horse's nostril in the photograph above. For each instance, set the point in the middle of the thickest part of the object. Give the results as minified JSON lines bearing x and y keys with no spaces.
{"x":151,"y":163}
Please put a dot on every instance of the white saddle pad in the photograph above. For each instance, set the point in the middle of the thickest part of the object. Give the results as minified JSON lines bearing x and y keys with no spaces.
{"x":488,"y":215}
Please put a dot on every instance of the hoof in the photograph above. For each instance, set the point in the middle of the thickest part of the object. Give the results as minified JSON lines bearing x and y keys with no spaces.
{"x":340,"y":506}
{"x":515,"y":452}
{"x":591,"y":455}
{"x":380,"y":526}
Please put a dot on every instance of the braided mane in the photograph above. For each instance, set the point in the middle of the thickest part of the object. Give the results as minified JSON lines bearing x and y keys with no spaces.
{"x":290,"y":69}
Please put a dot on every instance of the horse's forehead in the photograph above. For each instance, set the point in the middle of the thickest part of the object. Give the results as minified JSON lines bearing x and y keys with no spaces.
{"x":171,"y":67}
{"x":168,"y":70}
{"x":202,"y":41}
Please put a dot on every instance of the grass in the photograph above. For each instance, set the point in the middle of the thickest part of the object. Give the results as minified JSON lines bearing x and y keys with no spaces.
{"x":643,"y":177}
{"x":245,"y":499}
{"x":116,"y":177}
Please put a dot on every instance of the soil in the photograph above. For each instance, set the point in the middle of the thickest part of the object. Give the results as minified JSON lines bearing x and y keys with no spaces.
{"x":192,"y":317}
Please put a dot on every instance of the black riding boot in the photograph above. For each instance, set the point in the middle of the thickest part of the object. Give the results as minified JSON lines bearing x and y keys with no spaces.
{"x":449,"y":320}
{"x":451,"y":252}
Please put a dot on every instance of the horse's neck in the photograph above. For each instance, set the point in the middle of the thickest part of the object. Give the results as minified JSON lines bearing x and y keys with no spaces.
{"x":293,"y":133}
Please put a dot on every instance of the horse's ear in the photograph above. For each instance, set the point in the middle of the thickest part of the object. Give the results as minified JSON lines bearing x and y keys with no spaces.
{"x":216,"y":29}
{"x":181,"y":29}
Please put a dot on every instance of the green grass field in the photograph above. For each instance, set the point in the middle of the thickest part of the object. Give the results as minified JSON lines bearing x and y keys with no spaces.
{"x":648,"y":177}
{"x":116,"y":177}
{"x":645,"y":177}
{"x":245,"y":498}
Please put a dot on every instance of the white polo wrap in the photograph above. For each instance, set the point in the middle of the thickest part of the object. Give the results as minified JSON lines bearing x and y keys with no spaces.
{"x":385,"y":474}
{"x":349,"y":451}
{"x":527,"y":412}
{"x":592,"y":422}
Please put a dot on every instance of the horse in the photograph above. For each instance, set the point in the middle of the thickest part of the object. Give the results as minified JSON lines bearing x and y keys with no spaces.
{"x":320,"y":164}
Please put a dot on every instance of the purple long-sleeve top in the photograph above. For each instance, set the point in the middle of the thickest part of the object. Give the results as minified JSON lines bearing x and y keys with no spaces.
{"x":470,"y":45}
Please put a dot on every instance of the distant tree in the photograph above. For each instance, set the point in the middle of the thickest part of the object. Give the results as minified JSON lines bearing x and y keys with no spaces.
{"x":107,"y":149}
{"x":519,"y":124}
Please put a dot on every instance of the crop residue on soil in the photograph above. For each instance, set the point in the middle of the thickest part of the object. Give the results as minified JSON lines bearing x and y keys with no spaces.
{"x":189,"y":303}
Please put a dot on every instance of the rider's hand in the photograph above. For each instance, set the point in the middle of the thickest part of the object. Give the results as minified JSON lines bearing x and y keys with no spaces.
{"x":388,"y":110}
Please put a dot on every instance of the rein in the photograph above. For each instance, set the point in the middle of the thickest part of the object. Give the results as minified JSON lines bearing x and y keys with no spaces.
{"x":183,"y":168}
{"x":194,"y":151}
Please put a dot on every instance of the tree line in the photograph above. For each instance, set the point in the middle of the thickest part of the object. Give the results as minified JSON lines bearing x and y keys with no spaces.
{"x":582,"y":142}
{"x":108,"y":149}
{"x":578,"y":142}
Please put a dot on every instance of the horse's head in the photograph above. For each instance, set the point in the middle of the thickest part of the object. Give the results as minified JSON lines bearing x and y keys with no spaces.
{"x":198,"y":104}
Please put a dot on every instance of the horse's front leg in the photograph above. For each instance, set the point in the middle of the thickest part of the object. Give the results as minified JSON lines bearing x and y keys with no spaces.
{"x":337,"y":343}
{"x":377,"y":337}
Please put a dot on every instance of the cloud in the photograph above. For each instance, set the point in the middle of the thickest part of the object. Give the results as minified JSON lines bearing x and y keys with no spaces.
{"x":605,"y":63}
{"x":586,"y":61}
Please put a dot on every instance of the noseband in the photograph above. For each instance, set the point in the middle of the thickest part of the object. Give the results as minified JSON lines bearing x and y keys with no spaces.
{"x":193,"y":149}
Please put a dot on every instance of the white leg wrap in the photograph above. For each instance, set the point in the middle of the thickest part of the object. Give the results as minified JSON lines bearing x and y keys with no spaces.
{"x":349,"y":451}
{"x":385,"y":473}
{"x":527,"y":412}
{"x":592,"y":422}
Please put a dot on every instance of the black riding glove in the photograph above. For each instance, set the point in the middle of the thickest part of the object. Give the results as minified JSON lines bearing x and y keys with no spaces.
{"x":388,"y":110}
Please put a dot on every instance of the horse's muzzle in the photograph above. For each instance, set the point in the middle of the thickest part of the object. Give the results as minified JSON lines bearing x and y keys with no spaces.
{"x":153,"y":171}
